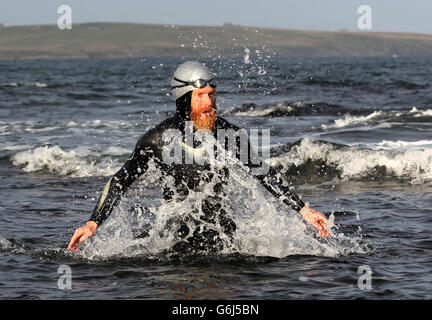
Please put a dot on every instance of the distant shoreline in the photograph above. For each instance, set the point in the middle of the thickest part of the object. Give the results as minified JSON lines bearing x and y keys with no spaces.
{"x":128,"y":40}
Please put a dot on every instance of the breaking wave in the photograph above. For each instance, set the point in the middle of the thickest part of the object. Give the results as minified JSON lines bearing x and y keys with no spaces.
{"x":309,"y":158}
{"x":347,"y":82}
{"x":28,"y":84}
{"x":75,"y":163}
{"x":413,"y":115}
{"x":351,"y":117}
{"x":288,"y":108}
{"x":306,"y":159}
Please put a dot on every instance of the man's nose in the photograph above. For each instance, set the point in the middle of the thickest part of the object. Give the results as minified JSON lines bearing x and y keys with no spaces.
{"x":206,"y":100}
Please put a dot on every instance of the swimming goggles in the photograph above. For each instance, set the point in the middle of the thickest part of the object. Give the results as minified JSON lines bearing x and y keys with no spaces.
{"x":200,"y":83}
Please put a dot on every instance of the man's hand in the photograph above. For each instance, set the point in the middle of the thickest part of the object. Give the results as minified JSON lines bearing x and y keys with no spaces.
{"x":317,"y":219}
{"x":81,"y":234}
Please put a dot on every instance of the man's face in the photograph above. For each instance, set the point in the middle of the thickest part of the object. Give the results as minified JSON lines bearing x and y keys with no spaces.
{"x":203,"y":108}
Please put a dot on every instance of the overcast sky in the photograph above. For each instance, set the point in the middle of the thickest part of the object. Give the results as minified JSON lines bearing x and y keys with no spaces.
{"x":330,"y":15}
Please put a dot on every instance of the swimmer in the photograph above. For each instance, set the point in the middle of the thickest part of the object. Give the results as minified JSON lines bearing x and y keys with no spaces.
{"x":194,"y":90}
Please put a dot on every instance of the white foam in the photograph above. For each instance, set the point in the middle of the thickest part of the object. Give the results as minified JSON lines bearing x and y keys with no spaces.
{"x":402,"y":145}
{"x":5,"y":243}
{"x":44,"y":129}
{"x":350,"y":120}
{"x":27,"y":84}
{"x":72,"y":124}
{"x":15,"y":147}
{"x":40,"y":85}
{"x":282,"y":107}
{"x":93,"y":126}
{"x":246,"y":56}
{"x":55,"y":160}
{"x":9,"y":84}
{"x":112,"y":124}
{"x":421,"y":113}
{"x":116,"y":151}
{"x":375,"y":116}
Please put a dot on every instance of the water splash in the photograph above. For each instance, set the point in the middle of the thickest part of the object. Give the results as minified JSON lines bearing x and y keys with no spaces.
{"x":265,"y":227}
{"x":246,"y":59}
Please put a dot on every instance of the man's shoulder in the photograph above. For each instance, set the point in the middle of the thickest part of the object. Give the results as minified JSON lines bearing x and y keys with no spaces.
{"x":153,"y":137}
{"x":222,"y":123}
{"x":168,"y":123}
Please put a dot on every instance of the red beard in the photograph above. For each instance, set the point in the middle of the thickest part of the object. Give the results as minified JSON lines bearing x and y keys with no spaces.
{"x":205,"y":122}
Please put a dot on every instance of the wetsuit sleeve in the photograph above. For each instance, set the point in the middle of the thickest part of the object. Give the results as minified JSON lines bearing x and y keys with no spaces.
{"x":269,"y":177}
{"x":120,"y":182}
{"x":273,"y":182}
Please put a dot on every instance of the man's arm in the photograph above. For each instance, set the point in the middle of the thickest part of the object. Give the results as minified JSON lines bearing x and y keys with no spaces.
{"x":118,"y":184}
{"x":273,"y":183}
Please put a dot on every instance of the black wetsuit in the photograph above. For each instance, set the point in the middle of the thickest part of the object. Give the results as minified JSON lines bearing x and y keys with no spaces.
{"x":187,"y":177}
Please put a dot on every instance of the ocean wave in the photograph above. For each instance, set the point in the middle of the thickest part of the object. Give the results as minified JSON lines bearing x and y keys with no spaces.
{"x":347,"y":82}
{"x":99,"y":124}
{"x":9,"y":84}
{"x":24,"y":84}
{"x":252,"y":110}
{"x":413,"y":115}
{"x":4,"y":243}
{"x":401,"y":145}
{"x":344,"y":82}
{"x":306,"y":159}
{"x":350,"y":116}
{"x":421,"y":113}
{"x":310,"y":159}
{"x":74,"y":163}
{"x":18,"y":127}
{"x":116,"y":151}
{"x":350,"y":120}
{"x":289,"y":108}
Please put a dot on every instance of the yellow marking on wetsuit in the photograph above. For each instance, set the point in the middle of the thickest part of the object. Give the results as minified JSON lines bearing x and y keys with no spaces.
{"x":196,"y":152}
{"x":133,"y":153}
{"x":104,"y":194}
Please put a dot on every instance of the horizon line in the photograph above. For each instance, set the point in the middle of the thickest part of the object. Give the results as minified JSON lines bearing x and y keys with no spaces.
{"x":225,"y":24}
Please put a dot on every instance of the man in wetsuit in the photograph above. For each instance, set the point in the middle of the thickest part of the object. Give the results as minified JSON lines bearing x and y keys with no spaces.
{"x":194,"y":93}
